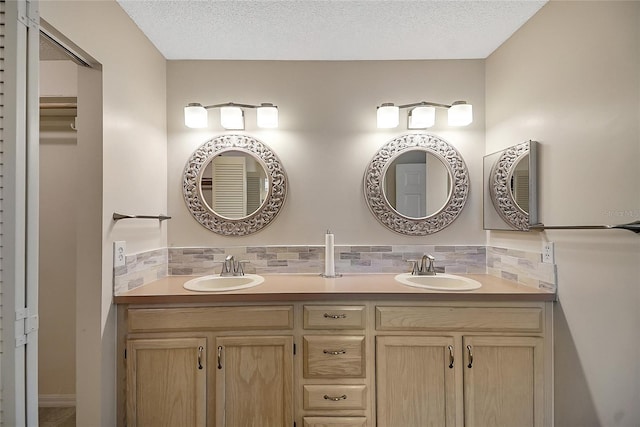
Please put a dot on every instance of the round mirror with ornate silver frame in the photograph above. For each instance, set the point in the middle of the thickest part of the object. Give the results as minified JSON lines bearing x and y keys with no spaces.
{"x":457,"y":185}
{"x":253,"y":164}
{"x":512,"y":185}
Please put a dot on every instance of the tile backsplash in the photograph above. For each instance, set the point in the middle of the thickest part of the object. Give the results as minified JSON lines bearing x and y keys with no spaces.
{"x":520,"y":266}
{"x":310,"y":259}
{"x":523,"y":267}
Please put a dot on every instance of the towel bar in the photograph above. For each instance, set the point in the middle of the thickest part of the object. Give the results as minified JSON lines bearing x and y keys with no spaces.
{"x":118,"y":217}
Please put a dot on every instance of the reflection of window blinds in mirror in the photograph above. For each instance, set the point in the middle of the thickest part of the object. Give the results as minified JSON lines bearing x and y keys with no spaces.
{"x":229,"y":187}
{"x":253,"y":192}
{"x":521,"y":188}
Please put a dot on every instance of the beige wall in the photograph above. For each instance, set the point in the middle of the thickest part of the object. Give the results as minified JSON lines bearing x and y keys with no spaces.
{"x":57,"y":263}
{"x":570,"y":79}
{"x":124,"y":164}
{"x":326,"y":138}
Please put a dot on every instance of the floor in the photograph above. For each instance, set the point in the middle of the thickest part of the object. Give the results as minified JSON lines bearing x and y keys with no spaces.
{"x":57,"y":417}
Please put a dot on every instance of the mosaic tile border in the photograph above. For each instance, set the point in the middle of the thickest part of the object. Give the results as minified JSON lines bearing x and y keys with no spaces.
{"x":523,"y":267}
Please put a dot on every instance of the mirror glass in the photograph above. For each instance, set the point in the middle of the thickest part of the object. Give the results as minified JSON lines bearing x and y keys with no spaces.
{"x":417,"y":184}
{"x":519,"y":183}
{"x":510,"y":193}
{"x":234,"y":184}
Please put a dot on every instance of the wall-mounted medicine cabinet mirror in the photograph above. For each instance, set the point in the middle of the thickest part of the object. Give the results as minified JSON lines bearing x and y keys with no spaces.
{"x":234,"y":185}
{"x":510,"y":188}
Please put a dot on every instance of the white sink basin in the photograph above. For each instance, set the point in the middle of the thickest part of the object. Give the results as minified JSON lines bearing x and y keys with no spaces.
{"x":439,"y":282}
{"x":216,"y":283}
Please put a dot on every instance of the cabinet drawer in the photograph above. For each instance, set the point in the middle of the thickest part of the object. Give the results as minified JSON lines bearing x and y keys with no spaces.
{"x":335,"y":422}
{"x":210,"y":318}
{"x":339,"y":396}
{"x":480,"y":319}
{"x":334,"y":356}
{"x":334,"y":317}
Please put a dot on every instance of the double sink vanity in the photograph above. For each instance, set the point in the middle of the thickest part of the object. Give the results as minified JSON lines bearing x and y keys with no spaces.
{"x":359,"y":350}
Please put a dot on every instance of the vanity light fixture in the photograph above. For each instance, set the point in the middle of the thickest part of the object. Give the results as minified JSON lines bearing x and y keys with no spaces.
{"x":422,"y":115}
{"x":231,"y":115}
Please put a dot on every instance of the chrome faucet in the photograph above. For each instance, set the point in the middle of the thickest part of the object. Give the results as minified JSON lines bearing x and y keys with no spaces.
{"x":231,"y":267}
{"x":426,"y":266}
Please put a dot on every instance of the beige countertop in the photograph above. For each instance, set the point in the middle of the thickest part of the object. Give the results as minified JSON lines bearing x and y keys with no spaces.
{"x":304,"y":287}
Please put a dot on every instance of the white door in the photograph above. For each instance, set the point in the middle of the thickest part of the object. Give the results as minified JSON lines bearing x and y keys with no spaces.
{"x":411,"y":189}
{"x":19,"y":211}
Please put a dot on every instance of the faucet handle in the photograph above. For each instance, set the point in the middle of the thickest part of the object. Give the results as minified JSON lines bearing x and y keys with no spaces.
{"x":431,"y":267}
{"x":240,"y":267}
{"x":225,"y":267}
{"x":414,"y":266}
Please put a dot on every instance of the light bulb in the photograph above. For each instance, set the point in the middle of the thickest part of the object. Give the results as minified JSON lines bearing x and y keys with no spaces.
{"x":422,"y":118}
{"x":388,"y":116}
{"x":232,"y":118}
{"x":460,"y":114}
{"x":195,"y":116}
{"x":267,"y":116}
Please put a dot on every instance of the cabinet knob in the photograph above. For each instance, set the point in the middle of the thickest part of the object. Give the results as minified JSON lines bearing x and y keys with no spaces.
{"x":470,"y":365}
{"x":450,"y":357}
{"x":219,"y":357}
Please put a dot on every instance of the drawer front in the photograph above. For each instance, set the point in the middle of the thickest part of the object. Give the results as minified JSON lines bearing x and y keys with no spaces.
{"x":334,"y":317}
{"x":335,"y":422}
{"x":334,"y":356}
{"x":210,"y":318}
{"x":480,"y":319}
{"x":328,"y":396}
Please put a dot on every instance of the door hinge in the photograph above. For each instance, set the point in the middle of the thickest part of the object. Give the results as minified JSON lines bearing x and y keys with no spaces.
{"x":25,"y":324}
{"x":33,"y":14}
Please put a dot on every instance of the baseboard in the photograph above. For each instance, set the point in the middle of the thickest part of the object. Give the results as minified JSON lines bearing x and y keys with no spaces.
{"x":56,"y":400}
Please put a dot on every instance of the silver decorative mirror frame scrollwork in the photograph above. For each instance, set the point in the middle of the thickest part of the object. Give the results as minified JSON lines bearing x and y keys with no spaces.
{"x":500,"y":185}
{"x":200,"y":210}
{"x":390,"y":217}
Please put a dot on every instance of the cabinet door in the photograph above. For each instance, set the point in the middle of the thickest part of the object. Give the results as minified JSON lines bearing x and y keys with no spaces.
{"x":254,"y":381}
{"x":503,"y":382}
{"x":415,"y":381}
{"x":166,"y":382}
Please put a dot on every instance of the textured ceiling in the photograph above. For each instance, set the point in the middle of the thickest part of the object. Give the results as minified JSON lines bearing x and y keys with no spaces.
{"x":329,"y":29}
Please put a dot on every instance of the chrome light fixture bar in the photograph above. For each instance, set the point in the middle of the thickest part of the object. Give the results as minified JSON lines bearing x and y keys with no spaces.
{"x":231,"y":115}
{"x":422,"y":115}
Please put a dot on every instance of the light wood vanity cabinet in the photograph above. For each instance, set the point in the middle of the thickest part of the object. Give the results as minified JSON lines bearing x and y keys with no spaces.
{"x":166,"y":382}
{"x":453,"y":370}
{"x":370,"y":364}
{"x":209,"y":366}
{"x":254,"y":381}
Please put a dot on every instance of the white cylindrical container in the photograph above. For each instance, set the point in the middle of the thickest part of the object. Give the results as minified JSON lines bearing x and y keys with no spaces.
{"x":329,"y":261}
